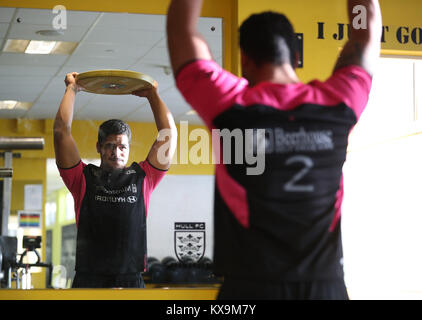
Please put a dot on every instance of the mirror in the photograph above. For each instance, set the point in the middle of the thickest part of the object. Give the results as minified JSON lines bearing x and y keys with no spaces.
{"x":384,"y":210}
{"x":33,"y":81}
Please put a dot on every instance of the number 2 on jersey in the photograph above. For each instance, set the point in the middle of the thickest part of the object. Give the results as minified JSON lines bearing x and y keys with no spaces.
{"x":293,"y":184}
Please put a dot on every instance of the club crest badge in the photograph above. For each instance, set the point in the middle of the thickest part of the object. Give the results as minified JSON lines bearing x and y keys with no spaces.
{"x":189,"y":240}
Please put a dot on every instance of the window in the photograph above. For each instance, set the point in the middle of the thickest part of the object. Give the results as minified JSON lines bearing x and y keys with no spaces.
{"x":392,"y":110}
{"x":382,"y":207}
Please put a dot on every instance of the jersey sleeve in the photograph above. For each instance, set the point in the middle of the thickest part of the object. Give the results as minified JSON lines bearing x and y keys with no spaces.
{"x":208,"y":88}
{"x":352,"y":84}
{"x":153,"y":176}
{"x":74,"y":180}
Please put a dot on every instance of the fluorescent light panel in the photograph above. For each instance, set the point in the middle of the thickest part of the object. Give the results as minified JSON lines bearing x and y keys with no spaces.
{"x":39,"y":47}
{"x":15,"y":45}
{"x":13,"y":104}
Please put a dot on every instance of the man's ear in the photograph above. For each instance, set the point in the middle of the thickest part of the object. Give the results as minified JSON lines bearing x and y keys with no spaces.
{"x":98,"y":147}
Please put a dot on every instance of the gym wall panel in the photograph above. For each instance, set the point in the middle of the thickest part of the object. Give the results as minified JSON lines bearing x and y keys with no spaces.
{"x":193,"y":202}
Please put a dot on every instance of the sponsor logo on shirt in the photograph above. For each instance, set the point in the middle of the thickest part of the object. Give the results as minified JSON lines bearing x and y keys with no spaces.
{"x":278,"y":140}
{"x":132,"y":199}
{"x":129,"y":199}
{"x":130,"y":188}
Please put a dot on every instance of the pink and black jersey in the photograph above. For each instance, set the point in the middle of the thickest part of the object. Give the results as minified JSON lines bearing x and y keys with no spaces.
{"x":111,"y":210}
{"x":282,"y":223}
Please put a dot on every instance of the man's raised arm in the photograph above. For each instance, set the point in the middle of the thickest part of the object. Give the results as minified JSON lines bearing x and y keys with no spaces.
{"x":363,"y":48}
{"x":67,"y":154}
{"x":184,"y":42}
{"x":163,"y":149}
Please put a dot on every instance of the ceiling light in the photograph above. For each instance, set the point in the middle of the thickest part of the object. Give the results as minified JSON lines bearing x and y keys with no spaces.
{"x":64,"y":47}
{"x":8,"y":104}
{"x":191,"y":113}
{"x":13,"y":105}
{"x":40,"y":47}
{"x":15,"y":45}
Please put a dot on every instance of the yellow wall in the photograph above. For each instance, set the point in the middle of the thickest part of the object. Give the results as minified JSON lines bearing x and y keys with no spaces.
{"x":320,"y":54}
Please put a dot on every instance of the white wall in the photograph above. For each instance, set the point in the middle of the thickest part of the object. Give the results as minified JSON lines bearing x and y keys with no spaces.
{"x":179,"y":198}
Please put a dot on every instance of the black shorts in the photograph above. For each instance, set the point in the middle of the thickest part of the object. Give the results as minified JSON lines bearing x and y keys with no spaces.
{"x":234,"y":289}
{"x":88,"y":280}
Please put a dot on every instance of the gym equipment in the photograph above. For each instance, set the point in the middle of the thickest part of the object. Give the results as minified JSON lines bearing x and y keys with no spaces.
{"x":165,"y":261}
{"x":14,"y":270}
{"x":8,"y":248}
{"x":113,"y":81}
{"x":6,"y":172}
{"x":157,"y":272}
{"x":206,"y":275}
{"x":185,"y":271}
{"x":9,"y":144}
{"x":24,"y":143}
{"x":151,"y":260}
{"x":176,"y":272}
{"x":31,"y":242}
{"x":206,"y":261}
{"x":188,"y":261}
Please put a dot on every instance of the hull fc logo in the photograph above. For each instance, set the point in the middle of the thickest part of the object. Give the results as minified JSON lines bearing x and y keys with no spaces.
{"x":189,"y":240}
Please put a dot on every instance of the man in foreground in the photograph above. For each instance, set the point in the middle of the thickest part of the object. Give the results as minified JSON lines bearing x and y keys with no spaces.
{"x":277,"y":233}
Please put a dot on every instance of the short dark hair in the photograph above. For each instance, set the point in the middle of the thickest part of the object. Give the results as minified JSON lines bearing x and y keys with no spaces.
{"x":268,"y":37}
{"x":113,"y":126}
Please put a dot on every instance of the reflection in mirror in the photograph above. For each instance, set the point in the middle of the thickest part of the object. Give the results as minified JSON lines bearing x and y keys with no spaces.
{"x":38,"y":48}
